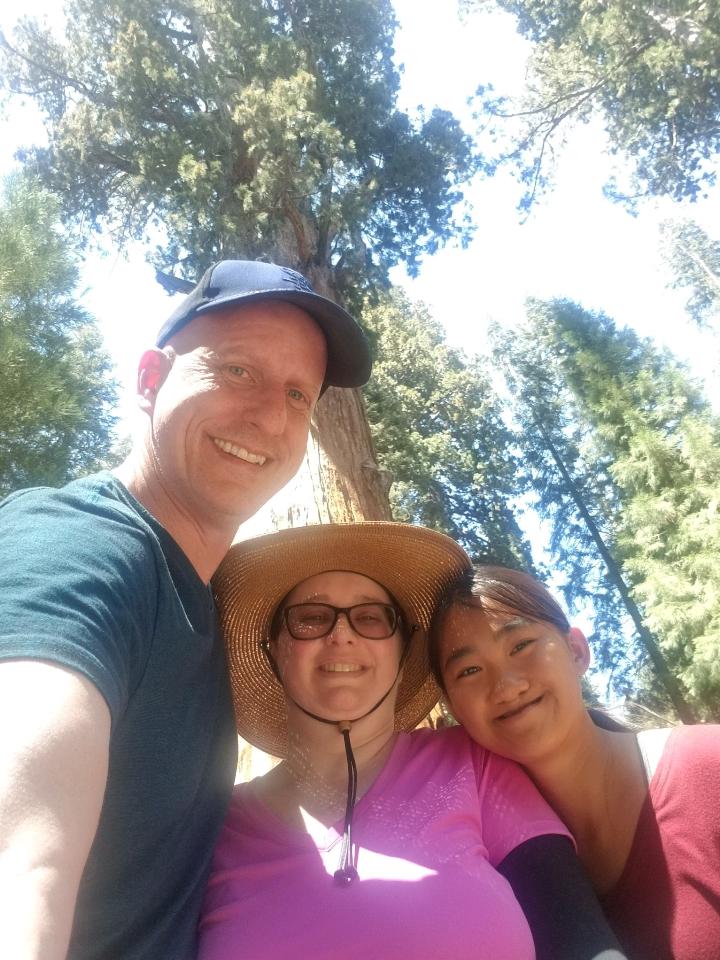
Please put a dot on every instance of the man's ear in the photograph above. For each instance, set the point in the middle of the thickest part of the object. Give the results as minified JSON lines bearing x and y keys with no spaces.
{"x":154,"y":366}
{"x":579,"y":649}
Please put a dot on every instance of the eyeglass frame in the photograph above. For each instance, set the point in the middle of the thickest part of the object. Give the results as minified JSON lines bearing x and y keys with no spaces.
{"x":397,"y":614}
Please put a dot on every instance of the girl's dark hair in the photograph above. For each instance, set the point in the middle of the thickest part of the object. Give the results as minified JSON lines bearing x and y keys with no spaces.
{"x":494,"y":590}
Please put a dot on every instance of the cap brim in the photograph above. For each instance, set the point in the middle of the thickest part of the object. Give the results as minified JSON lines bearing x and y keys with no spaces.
{"x":349,"y":360}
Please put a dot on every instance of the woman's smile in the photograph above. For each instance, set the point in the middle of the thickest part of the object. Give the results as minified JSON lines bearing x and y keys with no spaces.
{"x":341,"y":667}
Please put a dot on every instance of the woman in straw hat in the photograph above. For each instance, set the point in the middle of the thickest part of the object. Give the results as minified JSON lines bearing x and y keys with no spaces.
{"x":368,"y":840}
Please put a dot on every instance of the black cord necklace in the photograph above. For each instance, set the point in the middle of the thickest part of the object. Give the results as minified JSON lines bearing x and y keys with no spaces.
{"x":346,"y":872}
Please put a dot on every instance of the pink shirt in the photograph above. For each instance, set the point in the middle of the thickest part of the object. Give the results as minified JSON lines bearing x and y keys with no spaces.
{"x":440,"y":816}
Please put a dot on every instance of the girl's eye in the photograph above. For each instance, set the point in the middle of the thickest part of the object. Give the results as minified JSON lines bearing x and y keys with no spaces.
{"x":522,"y":645}
{"x":468,"y":671}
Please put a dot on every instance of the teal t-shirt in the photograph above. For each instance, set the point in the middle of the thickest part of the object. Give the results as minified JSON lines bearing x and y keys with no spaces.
{"x":90,"y":580}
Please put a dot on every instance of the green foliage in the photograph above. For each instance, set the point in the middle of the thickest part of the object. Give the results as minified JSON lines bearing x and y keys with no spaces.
{"x":549,"y":426}
{"x":670,"y":540}
{"x":650,"y":70}
{"x":261,"y":128}
{"x":694,"y":260}
{"x":438,"y":429}
{"x":55,"y":392}
{"x":644,"y":447}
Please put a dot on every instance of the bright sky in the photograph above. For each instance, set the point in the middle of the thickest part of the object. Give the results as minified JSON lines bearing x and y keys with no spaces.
{"x":576,"y":244}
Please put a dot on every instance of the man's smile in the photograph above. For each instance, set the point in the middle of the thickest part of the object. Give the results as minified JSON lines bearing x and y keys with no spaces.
{"x":240,"y":452}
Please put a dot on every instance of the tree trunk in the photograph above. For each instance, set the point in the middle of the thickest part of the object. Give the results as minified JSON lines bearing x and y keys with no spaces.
{"x":345,"y":475}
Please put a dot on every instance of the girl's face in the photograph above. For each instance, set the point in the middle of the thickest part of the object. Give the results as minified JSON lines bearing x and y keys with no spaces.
{"x":513,"y":683}
{"x":340,"y":675}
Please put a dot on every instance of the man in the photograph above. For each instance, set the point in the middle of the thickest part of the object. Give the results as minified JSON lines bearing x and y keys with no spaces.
{"x":117,"y":740}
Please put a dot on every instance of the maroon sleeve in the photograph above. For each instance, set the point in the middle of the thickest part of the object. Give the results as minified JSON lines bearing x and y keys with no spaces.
{"x":667,"y":902}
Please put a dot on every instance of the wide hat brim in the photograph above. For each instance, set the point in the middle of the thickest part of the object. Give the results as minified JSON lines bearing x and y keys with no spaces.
{"x":413,"y":563}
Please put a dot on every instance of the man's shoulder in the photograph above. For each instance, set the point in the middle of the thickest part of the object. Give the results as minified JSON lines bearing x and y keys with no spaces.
{"x":96,"y":492}
{"x":87,"y":531}
{"x":89,"y":502}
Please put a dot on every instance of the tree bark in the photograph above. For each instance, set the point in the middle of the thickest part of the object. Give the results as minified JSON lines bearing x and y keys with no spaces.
{"x":345,"y":475}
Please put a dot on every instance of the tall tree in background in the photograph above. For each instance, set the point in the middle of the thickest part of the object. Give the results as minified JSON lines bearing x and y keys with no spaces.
{"x":649,"y":441}
{"x":694,"y":260}
{"x":568,"y":479}
{"x":650,"y":71}
{"x":253,"y":128}
{"x":664,"y":441}
{"x":55,"y":391}
{"x":439,"y":431}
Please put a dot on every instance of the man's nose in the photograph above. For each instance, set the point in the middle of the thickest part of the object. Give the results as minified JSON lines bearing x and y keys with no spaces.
{"x":268,"y":410}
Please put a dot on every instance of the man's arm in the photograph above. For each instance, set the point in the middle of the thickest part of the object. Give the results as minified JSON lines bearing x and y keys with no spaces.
{"x":54,"y":741}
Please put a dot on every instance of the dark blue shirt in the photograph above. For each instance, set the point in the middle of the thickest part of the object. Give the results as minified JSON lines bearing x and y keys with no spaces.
{"x":90,"y":580}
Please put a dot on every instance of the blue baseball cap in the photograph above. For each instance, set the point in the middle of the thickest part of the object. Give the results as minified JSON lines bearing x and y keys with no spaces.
{"x":249,"y":281}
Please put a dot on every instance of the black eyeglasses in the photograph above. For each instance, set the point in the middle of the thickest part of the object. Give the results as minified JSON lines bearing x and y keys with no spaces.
{"x":310,"y":621}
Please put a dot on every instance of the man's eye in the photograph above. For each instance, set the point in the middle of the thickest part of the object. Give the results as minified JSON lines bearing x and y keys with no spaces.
{"x":236,"y":370}
{"x":298,"y":397}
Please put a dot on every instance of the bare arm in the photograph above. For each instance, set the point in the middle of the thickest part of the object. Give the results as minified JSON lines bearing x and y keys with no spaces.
{"x":54,"y":739}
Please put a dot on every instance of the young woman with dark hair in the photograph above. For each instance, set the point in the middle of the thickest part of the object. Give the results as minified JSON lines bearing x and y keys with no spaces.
{"x":643,"y":808}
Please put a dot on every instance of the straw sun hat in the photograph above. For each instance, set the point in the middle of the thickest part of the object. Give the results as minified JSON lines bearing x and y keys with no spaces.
{"x":412,"y":563}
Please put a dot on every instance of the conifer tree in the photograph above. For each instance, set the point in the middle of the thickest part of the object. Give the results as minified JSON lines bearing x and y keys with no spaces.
{"x":694,"y":261}
{"x":649,"y":71}
{"x":438,"y":428}
{"x":647,"y":448}
{"x":55,"y":391}
{"x":562,"y":469}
